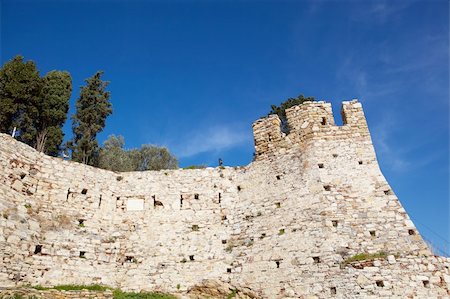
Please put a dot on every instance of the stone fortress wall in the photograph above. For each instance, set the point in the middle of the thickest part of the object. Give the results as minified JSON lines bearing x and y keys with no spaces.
{"x":280,"y":227}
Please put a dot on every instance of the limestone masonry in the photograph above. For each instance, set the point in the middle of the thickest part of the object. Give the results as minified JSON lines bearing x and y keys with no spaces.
{"x":282,"y":227}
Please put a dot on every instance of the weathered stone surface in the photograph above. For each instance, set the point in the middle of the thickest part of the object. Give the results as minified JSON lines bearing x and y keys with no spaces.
{"x":280,"y":227}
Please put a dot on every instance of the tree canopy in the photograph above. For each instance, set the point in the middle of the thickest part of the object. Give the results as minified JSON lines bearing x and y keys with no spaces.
{"x":114,"y":157}
{"x":52,"y":109}
{"x":36,"y":106}
{"x":92,"y":109}
{"x":281,"y":109}
{"x":19,"y":91}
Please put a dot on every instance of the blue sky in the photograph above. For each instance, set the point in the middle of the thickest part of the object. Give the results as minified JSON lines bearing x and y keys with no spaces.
{"x":194,"y":75}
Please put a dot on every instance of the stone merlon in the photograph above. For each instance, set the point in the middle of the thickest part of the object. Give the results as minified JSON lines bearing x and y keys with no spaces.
{"x":308,"y":121}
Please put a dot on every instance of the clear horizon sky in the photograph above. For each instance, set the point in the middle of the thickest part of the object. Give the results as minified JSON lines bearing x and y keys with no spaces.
{"x":194,"y":75}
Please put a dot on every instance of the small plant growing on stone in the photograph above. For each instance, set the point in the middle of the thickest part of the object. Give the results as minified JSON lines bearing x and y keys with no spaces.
{"x":81,"y":224}
{"x":27,"y":206}
{"x":178,"y":286}
{"x":232,"y":294}
{"x":195,"y":167}
{"x":229,"y":248}
{"x":365,"y":257}
{"x":281,"y":232}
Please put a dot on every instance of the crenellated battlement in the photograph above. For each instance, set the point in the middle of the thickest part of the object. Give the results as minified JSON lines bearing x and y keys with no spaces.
{"x":309,"y":121}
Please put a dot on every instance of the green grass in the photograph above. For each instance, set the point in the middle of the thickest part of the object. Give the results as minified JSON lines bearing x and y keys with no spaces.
{"x":366,"y":257}
{"x":281,"y":232}
{"x":118,"y":294}
{"x":232,"y":294}
{"x":74,"y":287}
{"x":18,"y":296}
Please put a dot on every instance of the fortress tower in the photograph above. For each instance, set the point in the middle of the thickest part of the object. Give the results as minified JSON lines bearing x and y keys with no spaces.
{"x":289,"y":225}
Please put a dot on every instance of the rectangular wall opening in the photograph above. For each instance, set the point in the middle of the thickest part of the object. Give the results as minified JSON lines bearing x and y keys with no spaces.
{"x":333,"y":290}
{"x":426,"y":283}
{"x":130,"y":259}
{"x":82,"y":254}
{"x":316,"y":259}
{"x":320,"y":165}
{"x":196,"y":196}
{"x":327,"y":188}
{"x":380,"y":283}
{"x":411,"y":232}
{"x":84,"y":191}
{"x":38,"y":249}
{"x":388,"y":192}
{"x":372,"y":233}
{"x":81,"y":222}
{"x":195,"y":228}
{"x":334,"y":223}
{"x":191,"y":258}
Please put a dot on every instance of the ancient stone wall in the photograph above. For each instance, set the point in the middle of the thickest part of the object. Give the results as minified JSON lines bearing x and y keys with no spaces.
{"x":280,"y":227}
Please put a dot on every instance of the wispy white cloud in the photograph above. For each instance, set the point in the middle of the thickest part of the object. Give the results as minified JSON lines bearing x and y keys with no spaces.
{"x":401,"y":157}
{"x":214,"y":138}
{"x":380,"y":11}
{"x":381,"y":139}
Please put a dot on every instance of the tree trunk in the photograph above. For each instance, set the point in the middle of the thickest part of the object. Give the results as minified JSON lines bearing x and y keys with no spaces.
{"x":41,"y":139}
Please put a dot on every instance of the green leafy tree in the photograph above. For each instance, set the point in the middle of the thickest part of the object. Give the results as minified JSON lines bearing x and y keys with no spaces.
{"x":281,"y":109}
{"x":92,"y":109}
{"x":19,"y":97}
{"x":113,"y":156}
{"x":151,"y":157}
{"x":52,"y":111}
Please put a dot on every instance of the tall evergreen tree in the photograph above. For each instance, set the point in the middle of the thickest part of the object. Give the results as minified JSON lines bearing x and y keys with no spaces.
{"x":19,"y":96}
{"x":52,"y":111}
{"x":92,"y":109}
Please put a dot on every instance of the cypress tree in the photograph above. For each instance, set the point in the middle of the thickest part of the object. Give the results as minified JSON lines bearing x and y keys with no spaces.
{"x":92,"y":109}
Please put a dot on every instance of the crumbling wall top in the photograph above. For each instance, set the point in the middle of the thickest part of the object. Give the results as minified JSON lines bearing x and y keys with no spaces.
{"x":307,"y":121}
